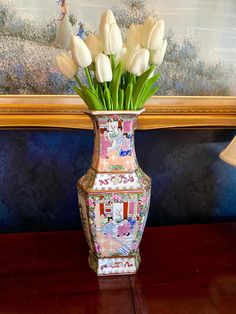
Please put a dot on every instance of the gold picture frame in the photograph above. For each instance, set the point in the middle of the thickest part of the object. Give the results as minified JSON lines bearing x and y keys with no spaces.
{"x":47,"y":111}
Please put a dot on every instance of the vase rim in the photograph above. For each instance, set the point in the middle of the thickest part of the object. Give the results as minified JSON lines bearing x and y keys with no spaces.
{"x":114,"y":112}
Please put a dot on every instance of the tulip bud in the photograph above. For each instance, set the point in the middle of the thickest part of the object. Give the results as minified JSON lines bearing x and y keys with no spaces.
{"x":106,"y":18}
{"x":157,"y":56}
{"x":103,"y":69}
{"x":134,"y":36}
{"x":66,"y":66}
{"x":137,"y":61}
{"x":110,"y":34}
{"x":111,"y":39}
{"x":80,"y":52}
{"x":153,"y":33}
{"x":94,"y":45}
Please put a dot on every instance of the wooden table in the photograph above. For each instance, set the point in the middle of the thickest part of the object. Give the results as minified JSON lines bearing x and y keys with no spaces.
{"x":185,"y":269}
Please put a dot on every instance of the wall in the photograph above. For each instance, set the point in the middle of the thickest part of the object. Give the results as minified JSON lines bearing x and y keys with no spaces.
{"x":39,"y":170}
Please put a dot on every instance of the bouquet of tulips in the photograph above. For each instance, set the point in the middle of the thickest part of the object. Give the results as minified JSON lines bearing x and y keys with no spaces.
{"x":121,"y":76}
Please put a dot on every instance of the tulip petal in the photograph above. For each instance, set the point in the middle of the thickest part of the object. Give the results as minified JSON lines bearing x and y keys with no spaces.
{"x":80,"y":52}
{"x":103,"y":69}
{"x":138,"y":61}
{"x":134,"y":36}
{"x":157,"y":56}
{"x":94,"y":45}
{"x":106,"y":18}
{"x":156,"y":35}
{"x":66,"y":66}
{"x":115,"y":39}
{"x":111,"y":39}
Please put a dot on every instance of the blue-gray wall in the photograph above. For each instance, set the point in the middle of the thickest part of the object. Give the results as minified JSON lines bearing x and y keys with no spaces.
{"x":39,"y":170}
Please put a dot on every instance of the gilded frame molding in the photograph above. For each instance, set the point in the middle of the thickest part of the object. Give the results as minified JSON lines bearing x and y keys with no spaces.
{"x":161,"y":112}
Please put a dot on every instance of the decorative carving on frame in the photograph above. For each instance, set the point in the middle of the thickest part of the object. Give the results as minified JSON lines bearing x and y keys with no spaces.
{"x":161,"y":112}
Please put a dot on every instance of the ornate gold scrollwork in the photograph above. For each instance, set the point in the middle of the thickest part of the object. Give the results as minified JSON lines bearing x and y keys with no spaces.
{"x":161,"y":112}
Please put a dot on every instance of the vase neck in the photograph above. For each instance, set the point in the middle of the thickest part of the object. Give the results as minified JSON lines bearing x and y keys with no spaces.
{"x":114,"y":149}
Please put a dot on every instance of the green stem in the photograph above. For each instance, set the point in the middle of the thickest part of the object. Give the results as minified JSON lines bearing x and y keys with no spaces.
{"x":113,"y":63}
{"x":78,"y":81}
{"x":108,"y":105}
{"x":87,"y":72}
{"x":132,"y":79}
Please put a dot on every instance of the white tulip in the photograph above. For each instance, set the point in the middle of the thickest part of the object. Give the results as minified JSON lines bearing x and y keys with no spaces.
{"x":94,"y":45}
{"x":122,"y":55}
{"x":110,"y":34}
{"x":153,"y":33}
{"x":103,"y":69}
{"x":134,"y":36}
{"x":66,"y":66}
{"x":106,"y":18}
{"x":80,"y":52}
{"x":157,"y":56}
{"x":111,"y":39}
{"x":138,"y":61}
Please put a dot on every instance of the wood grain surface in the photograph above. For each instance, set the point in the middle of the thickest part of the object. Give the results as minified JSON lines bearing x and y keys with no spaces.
{"x":184,"y":269}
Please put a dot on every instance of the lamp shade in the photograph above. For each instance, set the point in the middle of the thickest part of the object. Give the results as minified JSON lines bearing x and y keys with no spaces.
{"x":228,"y":155}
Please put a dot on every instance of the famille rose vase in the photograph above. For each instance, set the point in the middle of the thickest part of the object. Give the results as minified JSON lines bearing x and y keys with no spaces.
{"x":114,"y":195}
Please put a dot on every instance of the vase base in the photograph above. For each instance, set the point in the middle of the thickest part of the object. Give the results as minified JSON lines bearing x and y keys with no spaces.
{"x":120,"y":265}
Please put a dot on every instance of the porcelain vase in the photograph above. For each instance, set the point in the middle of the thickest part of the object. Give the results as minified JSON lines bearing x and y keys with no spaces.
{"x":114,"y":195}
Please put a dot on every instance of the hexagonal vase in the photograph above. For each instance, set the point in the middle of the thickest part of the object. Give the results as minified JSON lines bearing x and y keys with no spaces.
{"x":114,"y":195}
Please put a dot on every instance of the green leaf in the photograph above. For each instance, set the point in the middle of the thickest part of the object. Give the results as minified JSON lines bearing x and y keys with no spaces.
{"x":131,"y":105}
{"x":95,"y":82}
{"x":79,"y":92}
{"x":93,"y":101}
{"x":89,"y":78}
{"x":123,"y":81}
{"x":84,"y":97}
{"x":128,"y":77}
{"x":96,"y":91}
{"x":78,"y":81}
{"x":113,"y":62}
{"x":121,"y":99}
{"x":146,"y":87}
{"x":132,"y":79}
{"x":128,"y":96}
{"x":153,"y":79}
{"x":141,"y":81}
{"x":149,"y":93}
{"x":114,"y":86}
{"x":101,"y":95}
{"x":108,"y":99}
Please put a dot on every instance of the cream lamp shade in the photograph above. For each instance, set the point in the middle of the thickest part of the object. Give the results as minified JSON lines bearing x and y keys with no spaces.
{"x":228,"y":155}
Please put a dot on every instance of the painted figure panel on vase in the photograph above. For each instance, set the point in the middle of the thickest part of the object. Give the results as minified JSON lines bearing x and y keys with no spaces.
{"x":114,"y":142}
